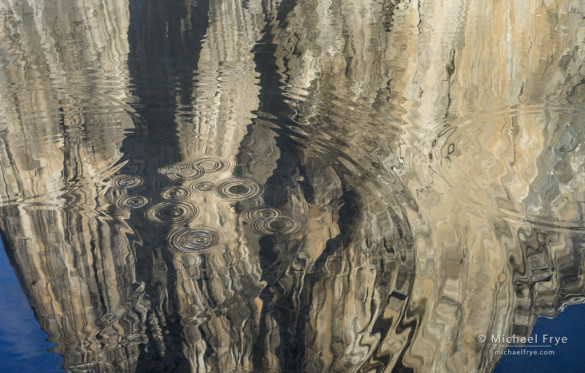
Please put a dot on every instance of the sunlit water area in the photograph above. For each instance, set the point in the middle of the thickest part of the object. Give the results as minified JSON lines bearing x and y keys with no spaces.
{"x":292,"y":186}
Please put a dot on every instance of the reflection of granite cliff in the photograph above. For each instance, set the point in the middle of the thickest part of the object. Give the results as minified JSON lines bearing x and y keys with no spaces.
{"x":337,"y":112}
{"x":427,"y":74}
{"x":61,"y":92}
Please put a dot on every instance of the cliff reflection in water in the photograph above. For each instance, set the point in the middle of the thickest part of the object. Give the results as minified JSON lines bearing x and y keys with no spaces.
{"x":290,"y":186}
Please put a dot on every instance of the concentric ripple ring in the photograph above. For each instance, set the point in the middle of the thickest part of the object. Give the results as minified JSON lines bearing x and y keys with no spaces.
{"x":203,"y":186}
{"x":126,"y":181}
{"x":279,"y":225}
{"x":209,"y":165}
{"x":264,"y":213}
{"x":172,"y":212}
{"x":239,"y":189}
{"x":132,"y":202}
{"x":181,"y":170}
{"x":193,"y":240}
{"x":175,"y":193}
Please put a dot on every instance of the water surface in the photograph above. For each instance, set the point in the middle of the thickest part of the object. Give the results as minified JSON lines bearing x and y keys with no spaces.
{"x":291,"y":186}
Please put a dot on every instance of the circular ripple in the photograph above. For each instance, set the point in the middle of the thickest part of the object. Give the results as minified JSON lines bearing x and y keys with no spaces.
{"x":175,"y":193}
{"x":278,"y":225}
{"x":264,"y":213}
{"x":203,"y":186}
{"x":208,"y":165}
{"x":126,"y":181}
{"x":172,"y":212}
{"x":239,"y":189}
{"x":133,"y":202}
{"x":171,"y":169}
{"x":183,"y":170}
{"x":193,"y":240}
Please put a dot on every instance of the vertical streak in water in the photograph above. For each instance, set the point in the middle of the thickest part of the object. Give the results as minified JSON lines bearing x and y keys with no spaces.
{"x":165,"y":41}
{"x":272,"y":101}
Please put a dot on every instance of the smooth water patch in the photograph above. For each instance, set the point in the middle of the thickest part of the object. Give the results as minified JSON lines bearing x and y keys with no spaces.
{"x":568,"y":357}
{"x":23,"y":345}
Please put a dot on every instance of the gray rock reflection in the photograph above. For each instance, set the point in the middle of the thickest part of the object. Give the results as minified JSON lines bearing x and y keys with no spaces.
{"x":287,"y":186}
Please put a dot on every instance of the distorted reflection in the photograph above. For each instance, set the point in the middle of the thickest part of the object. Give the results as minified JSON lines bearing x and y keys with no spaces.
{"x":292,"y":186}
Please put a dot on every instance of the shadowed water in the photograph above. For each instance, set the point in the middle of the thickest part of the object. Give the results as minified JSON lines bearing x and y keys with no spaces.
{"x":292,"y":186}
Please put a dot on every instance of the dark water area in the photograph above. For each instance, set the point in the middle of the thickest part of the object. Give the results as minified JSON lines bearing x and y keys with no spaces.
{"x":291,"y":186}
{"x":568,"y":357}
{"x":23,"y":346}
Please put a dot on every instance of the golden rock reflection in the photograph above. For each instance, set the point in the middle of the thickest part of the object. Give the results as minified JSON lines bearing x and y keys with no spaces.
{"x":224,"y":186}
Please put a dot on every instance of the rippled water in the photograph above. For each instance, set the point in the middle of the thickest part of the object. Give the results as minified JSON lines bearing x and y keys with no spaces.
{"x":292,"y":186}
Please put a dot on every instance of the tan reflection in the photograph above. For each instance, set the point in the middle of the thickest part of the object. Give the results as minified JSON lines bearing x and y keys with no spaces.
{"x":216,"y":287}
{"x":468,"y":65}
{"x":62,"y":130}
{"x":426,"y":181}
